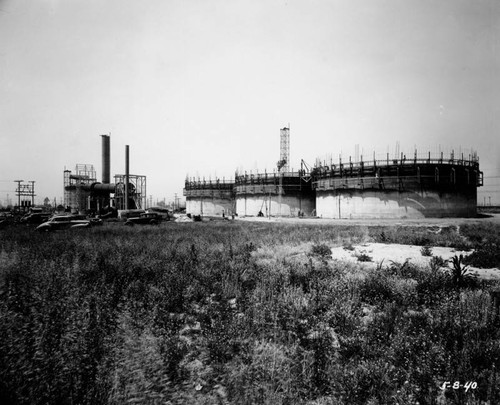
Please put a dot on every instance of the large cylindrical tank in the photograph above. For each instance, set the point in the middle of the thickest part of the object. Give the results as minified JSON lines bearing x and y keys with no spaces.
{"x":209,"y":198}
{"x":398,"y":189}
{"x":209,"y":206}
{"x":270,"y":194}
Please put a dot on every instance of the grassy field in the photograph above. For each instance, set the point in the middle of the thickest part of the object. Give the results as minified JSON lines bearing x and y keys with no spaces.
{"x":245,"y":313}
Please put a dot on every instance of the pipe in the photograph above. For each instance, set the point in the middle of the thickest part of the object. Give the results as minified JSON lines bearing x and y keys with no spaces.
{"x":103,"y":188}
{"x":106,"y":159}
{"x":99,"y":188}
{"x":127,"y":175}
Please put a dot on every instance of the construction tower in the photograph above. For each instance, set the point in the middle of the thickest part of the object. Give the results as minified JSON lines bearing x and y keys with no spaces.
{"x":284,"y":162}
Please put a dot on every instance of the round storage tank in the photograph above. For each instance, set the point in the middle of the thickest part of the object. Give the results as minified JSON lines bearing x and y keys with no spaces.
{"x":209,"y":198}
{"x":288,"y":194}
{"x":400,"y":188}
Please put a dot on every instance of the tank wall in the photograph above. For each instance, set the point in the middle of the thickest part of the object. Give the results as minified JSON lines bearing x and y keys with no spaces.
{"x":393,"y":204}
{"x":250,"y":205}
{"x":209,"y":206}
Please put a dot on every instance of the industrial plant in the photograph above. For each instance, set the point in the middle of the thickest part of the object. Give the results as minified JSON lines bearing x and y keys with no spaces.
{"x":417,"y":186}
{"x":83,"y":193}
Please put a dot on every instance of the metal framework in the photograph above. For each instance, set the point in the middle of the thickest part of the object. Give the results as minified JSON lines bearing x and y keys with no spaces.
{"x":136,"y":191}
{"x":217,"y":188}
{"x":284,"y":162}
{"x":250,"y":184}
{"x":271,"y":183}
{"x":75,"y":194}
{"x":26,"y":189}
{"x":207,"y":191}
{"x":417,"y":174}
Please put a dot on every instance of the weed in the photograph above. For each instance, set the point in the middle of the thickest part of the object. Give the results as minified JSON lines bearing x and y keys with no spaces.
{"x":479,"y":234}
{"x":321,"y":250}
{"x":426,"y":251}
{"x":363,"y":257}
{"x":419,"y":236}
{"x":405,"y":270}
{"x":377,"y":288}
{"x":349,"y":247}
{"x":437,"y":262}
{"x":460,"y":274}
{"x":238,"y":312}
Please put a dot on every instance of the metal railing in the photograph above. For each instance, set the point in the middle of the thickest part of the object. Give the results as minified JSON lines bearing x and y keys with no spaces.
{"x":374,"y":164}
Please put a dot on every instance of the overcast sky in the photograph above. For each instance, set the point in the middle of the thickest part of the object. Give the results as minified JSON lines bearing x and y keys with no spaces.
{"x":202,"y":88}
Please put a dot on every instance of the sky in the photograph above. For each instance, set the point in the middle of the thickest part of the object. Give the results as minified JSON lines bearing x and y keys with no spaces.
{"x":201,"y":88}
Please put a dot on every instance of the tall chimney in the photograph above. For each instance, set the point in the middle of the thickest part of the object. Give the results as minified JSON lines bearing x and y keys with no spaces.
{"x":106,"y":160}
{"x":127,"y":175}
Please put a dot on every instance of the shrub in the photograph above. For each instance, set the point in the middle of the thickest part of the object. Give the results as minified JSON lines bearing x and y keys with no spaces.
{"x":481,"y":233}
{"x":321,"y":250}
{"x":348,"y":246}
{"x":433,"y":285}
{"x":419,"y":236}
{"x":437,"y":262}
{"x":486,"y":256}
{"x":363,"y":257}
{"x":377,"y":288}
{"x":426,"y":251}
{"x":405,"y":270}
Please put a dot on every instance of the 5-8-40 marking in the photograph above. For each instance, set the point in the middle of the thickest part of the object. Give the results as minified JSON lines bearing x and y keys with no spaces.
{"x":457,"y":385}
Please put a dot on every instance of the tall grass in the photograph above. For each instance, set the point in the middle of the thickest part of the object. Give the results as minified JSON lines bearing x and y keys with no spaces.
{"x":203,"y":313}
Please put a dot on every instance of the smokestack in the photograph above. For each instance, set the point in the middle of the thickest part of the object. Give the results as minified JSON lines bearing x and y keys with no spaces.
{"x":127,"y":173}
{"x":106,"y":160}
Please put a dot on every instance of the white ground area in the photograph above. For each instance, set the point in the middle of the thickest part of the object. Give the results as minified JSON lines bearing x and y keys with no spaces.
{"x":385,"y":253}
{"x":379,"y":251}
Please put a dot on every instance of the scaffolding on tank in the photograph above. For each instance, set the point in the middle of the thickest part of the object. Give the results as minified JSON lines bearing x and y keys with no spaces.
{"x":208,"y":188}
{"x":400,"y":174}
{"x":201,"y":190}
{"x":269,"y":185}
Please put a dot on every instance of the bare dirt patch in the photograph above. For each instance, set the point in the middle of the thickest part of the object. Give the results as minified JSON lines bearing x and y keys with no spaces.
{"x":385,"y":253}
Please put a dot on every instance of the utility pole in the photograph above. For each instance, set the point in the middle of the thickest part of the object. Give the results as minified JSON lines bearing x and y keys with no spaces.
{"x":25,"y":190}
{"x":18,"y":191}
{"x":32,"y":192}
{"x":127,"y":177}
